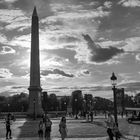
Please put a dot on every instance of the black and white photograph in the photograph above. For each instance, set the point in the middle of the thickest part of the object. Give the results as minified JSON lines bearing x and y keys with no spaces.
{"x":69,"y":69}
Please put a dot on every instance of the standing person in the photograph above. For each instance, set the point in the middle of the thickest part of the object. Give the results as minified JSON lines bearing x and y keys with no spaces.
{"x":91,"y":116}
{"x":40,"y":131}
{"x":63,"y":128}
{"x":110,"y":125}
{"x":48,"y":125}
{"x":8,"y":126}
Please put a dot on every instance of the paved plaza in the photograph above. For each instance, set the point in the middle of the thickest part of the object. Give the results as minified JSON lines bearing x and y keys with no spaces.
{"x":26,"y":129}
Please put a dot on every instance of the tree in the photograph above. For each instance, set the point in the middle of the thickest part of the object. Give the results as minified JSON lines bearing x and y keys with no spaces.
{"x":76,"y":101}
{"x":101,"y":104}
{"x":3,"y":101}
{"x":52,"y":102}
{"x":137,"y":99}
{"x":88,"y":102}
{"x":64,"y":102}
{"x":45,"y":101}
{"x":128,"y":101}
{"x":17,"y":103}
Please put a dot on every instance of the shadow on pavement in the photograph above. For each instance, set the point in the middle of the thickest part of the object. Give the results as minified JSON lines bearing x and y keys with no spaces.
{"x":29,"y":129}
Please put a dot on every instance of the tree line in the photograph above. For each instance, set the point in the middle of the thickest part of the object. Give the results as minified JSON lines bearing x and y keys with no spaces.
{"x":76,"y":101}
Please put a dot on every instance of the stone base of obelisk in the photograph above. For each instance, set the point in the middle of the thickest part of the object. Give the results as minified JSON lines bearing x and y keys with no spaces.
{"x":35,"y":106}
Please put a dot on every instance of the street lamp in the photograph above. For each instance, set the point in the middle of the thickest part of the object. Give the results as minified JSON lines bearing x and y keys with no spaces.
{"x":114,"y":82}
{"x":65,"y":106}
{"x":84,"y":108}
{"x":76,"y":107}
{"x":90,"y":104}
{"x":134,"y":101}
{"x":34,"y":108}
{"x":94,"y":104}
{"x":8,"y":107}
{"x":22,"y":110}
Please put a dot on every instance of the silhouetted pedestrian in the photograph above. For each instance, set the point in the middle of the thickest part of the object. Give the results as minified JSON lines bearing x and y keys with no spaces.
{"x":40,"y":131}
{"x":48,"y":125}
{"x":8,"y":126}
{"x":63,"y":128}
{"x":110,"y":125}
{"x":91,"y":116}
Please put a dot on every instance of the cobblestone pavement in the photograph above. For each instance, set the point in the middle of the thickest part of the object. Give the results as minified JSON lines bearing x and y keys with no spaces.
{"x":55,"y":138}
{"x":23,"y":129}
{"x":99,"y":138}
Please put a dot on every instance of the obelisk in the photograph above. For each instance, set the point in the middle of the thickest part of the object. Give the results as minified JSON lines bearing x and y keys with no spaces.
{"x":35,"y":107}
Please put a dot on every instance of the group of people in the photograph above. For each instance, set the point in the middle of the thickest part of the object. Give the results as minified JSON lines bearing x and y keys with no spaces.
{"x":89,"y":115}
{"x":47,"y":124}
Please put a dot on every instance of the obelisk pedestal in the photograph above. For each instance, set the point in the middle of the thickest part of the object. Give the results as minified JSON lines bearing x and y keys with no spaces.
{"x":35,"y":107}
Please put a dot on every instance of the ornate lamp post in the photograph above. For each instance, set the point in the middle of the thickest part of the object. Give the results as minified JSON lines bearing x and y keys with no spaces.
{"x":84,"y":108}
{"x":76,"y":107}
{"x":113,"y":79}
{"x":94,"y":105}
{"x":8,"y":107}
{"x":34,"y":109}
{"x":90,"y":105}
{"x":65,"y":106}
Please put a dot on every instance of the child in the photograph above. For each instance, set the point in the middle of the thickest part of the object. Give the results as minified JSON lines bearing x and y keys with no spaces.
{"x":40,"y":131}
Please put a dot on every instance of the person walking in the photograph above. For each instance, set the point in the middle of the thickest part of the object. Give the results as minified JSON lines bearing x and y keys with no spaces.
{"x":40,"y":131}
{"x":8,"y":126}
{"x":110,"y":126}
{"x":48,"y":125}
{"x":63,"y":128}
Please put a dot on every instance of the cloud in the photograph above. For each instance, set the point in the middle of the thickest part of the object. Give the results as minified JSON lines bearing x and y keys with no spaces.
{"x":129,"y":45}
{"x":106,"y":43}
{"x":56,"y":7}
{"x":132,"y":44}
{"x":108,"y":4}
{"x":68,"y":39}
{"x":3,"y":39}
{"x":75,"y":20}
{"x":81,"y":14}
{"x":5,"y":73}
{"x":83,"y":72}
{"x":9,"y":90}
{"x":14,"y":19}
{"x":129,"y":3}
{"x":22,"y":41}
{"x":63,"y":54}
{"x":56,"y":71}
{"x":9,"y":1}
{"x":131,"y":86}
{"x":138,"y":57}
{"x":99,"y":54}
{"x":7,"y":50}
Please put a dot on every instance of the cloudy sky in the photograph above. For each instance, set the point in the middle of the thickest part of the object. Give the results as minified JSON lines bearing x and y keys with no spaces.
{"x":81,"y":43}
